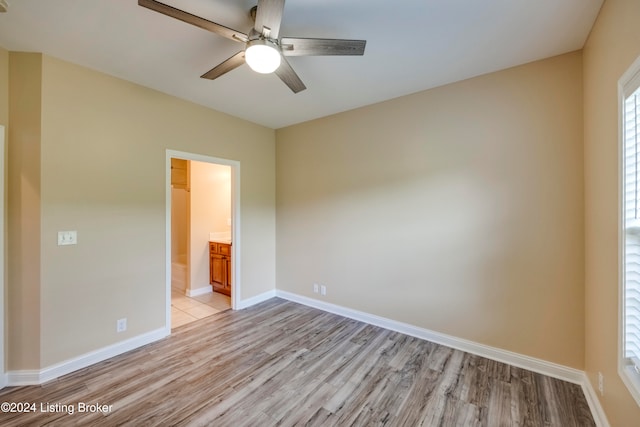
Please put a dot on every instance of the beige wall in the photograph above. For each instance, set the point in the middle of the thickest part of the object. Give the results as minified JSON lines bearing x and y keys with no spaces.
{"x":612,"y":47}
{"x":458,"y":209}
{"x":214,"y":195}
{"x":4,"y":121}
{"x":102,"y":172}
{"x":23,"y":214}
{"x":4,"y":87}
{"x":210,"y":208}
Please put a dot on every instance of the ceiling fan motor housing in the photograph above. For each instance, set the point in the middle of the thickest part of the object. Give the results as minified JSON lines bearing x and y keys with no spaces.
{"x":262,"y":39}
{"x":262,"y":55}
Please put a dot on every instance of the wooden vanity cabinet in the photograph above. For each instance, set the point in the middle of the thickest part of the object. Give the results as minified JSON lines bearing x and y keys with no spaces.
{"x":220,"y":267}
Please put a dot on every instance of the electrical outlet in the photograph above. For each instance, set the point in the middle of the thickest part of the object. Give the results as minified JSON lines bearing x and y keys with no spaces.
{"x":323,"y":290}
{"x":601,"y":383}
{"x":315,"y":288}
{"x":67,"y":238}
{"x":121,"y":325}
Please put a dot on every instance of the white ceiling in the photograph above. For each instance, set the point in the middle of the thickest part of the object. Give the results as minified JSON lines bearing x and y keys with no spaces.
{"x":412,"y":45}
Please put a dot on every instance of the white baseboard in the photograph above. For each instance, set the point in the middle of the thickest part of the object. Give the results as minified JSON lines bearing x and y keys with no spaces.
{"x":594,"y":403}
{"x":40,"y":376}
{"x":521,"y":361}
{"x":35,"y":377}
{"x":199,"y":291}
{"x":246,"y":303}
{"x":540,"y":366}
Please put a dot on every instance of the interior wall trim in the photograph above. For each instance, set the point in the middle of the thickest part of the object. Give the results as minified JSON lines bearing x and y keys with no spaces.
{"x":576,"y":376}
{"x":246,"y":303}
{"x":521,"y":361}
{"x":40,"y":376}
{"x":540,"y":366}
{"x":199,"y":291}
{"x":594,"y":403}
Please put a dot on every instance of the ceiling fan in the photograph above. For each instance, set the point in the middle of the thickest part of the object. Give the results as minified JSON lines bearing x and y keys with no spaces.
{"x":264,"y":50}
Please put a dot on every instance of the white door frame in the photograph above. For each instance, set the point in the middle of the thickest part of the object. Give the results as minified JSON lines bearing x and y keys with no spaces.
{"x":235,"y":229}
{"x":3,"y":368}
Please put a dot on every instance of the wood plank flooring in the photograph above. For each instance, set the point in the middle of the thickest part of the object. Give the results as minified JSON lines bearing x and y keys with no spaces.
{"x":283,"y":364}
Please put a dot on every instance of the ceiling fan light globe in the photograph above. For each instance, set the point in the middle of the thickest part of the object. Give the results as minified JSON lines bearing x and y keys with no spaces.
{"x":262,"y":56}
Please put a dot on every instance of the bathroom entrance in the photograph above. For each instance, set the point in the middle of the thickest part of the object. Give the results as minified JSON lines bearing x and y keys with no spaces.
{"x":201,"y":238}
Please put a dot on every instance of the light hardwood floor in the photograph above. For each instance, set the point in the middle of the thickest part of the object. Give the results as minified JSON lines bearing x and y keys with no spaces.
{"x":280,"y":363}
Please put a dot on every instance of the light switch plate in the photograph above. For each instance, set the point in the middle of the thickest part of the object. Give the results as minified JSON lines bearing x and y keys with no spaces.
{"x":67,"y":238}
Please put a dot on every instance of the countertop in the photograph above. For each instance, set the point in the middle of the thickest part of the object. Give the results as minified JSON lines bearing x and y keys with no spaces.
{"x":220,"y":237}
{"x":226,"y":242}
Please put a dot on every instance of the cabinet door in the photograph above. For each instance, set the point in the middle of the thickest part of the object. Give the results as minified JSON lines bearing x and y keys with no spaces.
{"x":218,"y":266}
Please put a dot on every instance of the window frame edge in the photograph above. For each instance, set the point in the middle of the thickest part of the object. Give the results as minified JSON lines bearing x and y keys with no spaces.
{"x":628,"y":83}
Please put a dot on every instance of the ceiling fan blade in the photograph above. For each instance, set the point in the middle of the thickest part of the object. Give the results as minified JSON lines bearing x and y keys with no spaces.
{"x":289,"y":77}
{"x":224,"y":67}
{"x":292,"y":46}
{"x":269,"y":15}
{"x":194,"y":20}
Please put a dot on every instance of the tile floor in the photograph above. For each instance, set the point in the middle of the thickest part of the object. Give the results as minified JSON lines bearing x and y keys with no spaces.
{"x":186,"y":309}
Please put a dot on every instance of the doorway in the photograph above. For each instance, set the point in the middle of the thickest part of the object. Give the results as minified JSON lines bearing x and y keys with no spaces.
{"x":202,"y":215}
